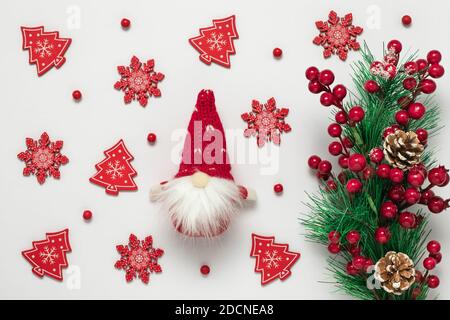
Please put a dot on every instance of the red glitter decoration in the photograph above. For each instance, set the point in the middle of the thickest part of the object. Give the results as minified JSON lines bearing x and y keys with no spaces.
{"x":266,"y":121}
{"x":337,"y":35}
{"x":139,"y":81}
{"x":139,"y":258}
{"x":43,"y":158}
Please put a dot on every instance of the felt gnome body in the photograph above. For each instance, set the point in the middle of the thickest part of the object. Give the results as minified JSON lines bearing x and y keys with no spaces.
{"x":202,"y":197}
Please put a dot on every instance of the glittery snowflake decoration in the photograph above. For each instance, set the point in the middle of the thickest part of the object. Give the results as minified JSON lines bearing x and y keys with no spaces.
{"x":43,"y":158}
{"x":337,"y":35}
{"x":139,"y":258}
{"x":139,"y":81}
{"x":266,"y":122}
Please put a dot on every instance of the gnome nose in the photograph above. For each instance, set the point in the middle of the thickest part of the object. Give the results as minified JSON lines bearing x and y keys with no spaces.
{"x":200,"y":179}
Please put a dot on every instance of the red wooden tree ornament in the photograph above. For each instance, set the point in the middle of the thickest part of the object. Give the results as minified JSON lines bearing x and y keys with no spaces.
{"x":48,"y":256}
{"x":115,"y":172}
{"x":273,"y":260}
{"x":46,"y":49}
{"x":215,"y":43}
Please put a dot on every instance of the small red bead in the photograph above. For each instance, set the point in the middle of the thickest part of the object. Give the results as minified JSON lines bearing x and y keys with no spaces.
{"x":411,"y":67}
{"x":438,"y":176}
{"x":395,"y":45}
{"x":422,"y":64}
{"x":407,"y":220}
{"x":433,"y":246}
{"x":347,"y":142}
{"x":353,"y":236}
{"x":406,"y":20}
{"x":412,"y":195}
{"x":354,"y":250}
{"x":326,"y":99}
{"x":397,"y":193}
{"x":358,"y":262}
{"x":371,"y":86}
{"x":341,"y":117}
{"x":151,"y":137}
{"x":388,"y":210}
{"x":416,"y":110}
{"x":436,"y":204}
{"x":409,"y":83}
{"x":382,"y":235}
{"x":334,"y":130}
{"x":376,"y":155}
{"x":278,"y":188}
{"x":312,"y":73}
{"x":402,"y":117}
{"x":384,"y":171}
{"x":315,"y":87}
{"x":436,"y":256}
{"x":334,"y":236}
{"x":76,"y":95}
{"x":433,"y":282}
{"x":325,"y":167}
{"x":204,"y":269}
{"x":87,"y":215}
{"x":343,"y":161}
{"x":339,"y":92}
{"x":357,"y":162}
{"x":422,"y":134}
{"x":334,"y":248}
{"x":326,"y":77}
{"x":434,"y":56}
{"x":436,"y":70}
{"x":415,"y":178}
{"x":429,"y":263}
{"x":396,"y":175}
{"x":313,"y":162}
{"x":351,"y":270}
{"x":331,"y":185}
{"x":277,"y":52}
{"x":356,"y":114}
{"x":125,"y":23}
{"x":335,"y":148}
{"x":354,"y":185}
{"x":427,"y":86}
{"x":426,"y":196}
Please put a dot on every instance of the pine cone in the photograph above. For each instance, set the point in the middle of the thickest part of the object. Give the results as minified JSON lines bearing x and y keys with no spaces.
{"x":395,"y":271}
{"x":403,"y":149}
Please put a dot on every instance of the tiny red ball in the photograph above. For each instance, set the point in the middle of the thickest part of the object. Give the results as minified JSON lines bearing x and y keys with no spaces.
{"x":357,"y":162}
{"x":354,"y":250}
{"x":396,"y":175}
{"x":278,"y":188}
{"x":415,"y":178}
{"x":326,"y":77}
{"x":433,"y":282}
{"x":383,"y":171}
{"x":427,"y":86}
{"x":351,"y":270}
{"x":382,"y":235}
{"x":436,"y":256}
{"x":433,"y":247}
{"x":395,"y":45}
{"x":396,"y":193}
{"x":402,"y":117}
{"x":436,"y":204}
{"x":416,"y":110}
{"x":438,"y":176}
{"x":376,"y":155}
{"x":313,"y":162}
{"x":343,"y":161}
{"x":326,"y":99}
{"x":125,"y":23}
{"x":422,"y":64}
{"x":371,"y":86}
{"x":325,"y":167}
{"x":76,"y":95}
{"x":151,"y":137}
{"x":204,"y":269}
{"x":335,"y":148}
{"x":315,"y":87}
{"x":339,"y":92}
{"x":312,"y":73}
{"x":422,"y":134}
{"x":429,"y":263}
{"x":356,"y":114}
{"x":358,"y":262}
{"x":353,"y":236}
{"x":411,"y":67}
{"x":87,"y":215}
{"x":407,"y":220}
{"x":334,"y":248}
{"x":409,"y":83}
{"x":434,"y":56}
{"x":354,"y":185}
{"x":406,"y":20}
{"x":436,"y":70}
{"x":277,"y":52}
{"x":334,"y":130}
{"x":334,"y":236}
{"x":340,"y":117}
{"x":347,"y":142}
{"x":388,"y":210}
{"x":426,"y":196}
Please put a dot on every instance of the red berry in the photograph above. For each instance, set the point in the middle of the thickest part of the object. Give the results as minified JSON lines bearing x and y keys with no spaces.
{"x":427,"y":86}
{"x":407,"y":220}
{"x":326,"y":77}
{"x":409,"y":83}
{"x":343,"y":161}
{"x":347,"y":142}
{"x":278,"y":188}
{"x":325,"y":167}
{"x":437,"y":257}
{"x":436,"y":70}
{"x":125,"y":23}
{"x":358,"y":262}
{"x":353,"y":185}
{"x":434,"y":56}
{"x":376,"y":155}
{"x":87,"y":215}
{"x":397,"y":193}
{"x":342,"y":177}
{"x":422,"y":64}
{"x":312,"y":73}
{"x":429,"y":263}
{"x":371,"y":86}
{"x":356,"y":114}
{"x":354,"y":250}
{"x":395,"y":46}
{"x":406,"y":20}
{"x":341,"y":117}
{"x":396,"y":175}
{"x":384,"y":171}
{"x":351,"y":270}
{"x":326,"y":99}
{"x":277,"y":52}
{"x":339,"y":92}
{"x":353,"y":237}
{"x":205,"y":270}
{"x":416,"y":110}
{"x":368,"y":173}
{"x":422,"y":134}
{"x":433,"y":246}
{"x":411,"y":67}
{"x":404,"y":101}
{"x":315,"y":87}
{"x":151,"y":137}
{"x":335,"y":148}
{"x":331,"y":185}
{"x":357,"y":162}
{"x":334,"y":248}
{"x":426,"y":196}
{"x":368,"y":264}
{"x":388,"y":210}
{"x":438,"y":176}
{"x":388,"y":131}
{"x":390,"y":69}
{"x":382,"y":235}
{"x":433,"y":282}
{"x":76,"y":95}
{"x":436,"y":204}
{"x":419,"y":276}
{"x":313,"y":162}
{"x":402,"y":117}
{"x":412,"y":195}
{"x":334,"y":130}
{"x":334,"y":236}
{"x":415,"y":178}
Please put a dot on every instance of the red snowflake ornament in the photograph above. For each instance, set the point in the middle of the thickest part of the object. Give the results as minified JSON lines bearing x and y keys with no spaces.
{"x":139,"y":81}
{"x":273,"y":260}
{"x":337,"y":35}
{"x":139,"y":258}
{"x":215,"y":43}
{"x":46,"y":49}
{"x":266,"y":121}
{"x":43,"y":158}
{"x":115,"y":172}
{"x":48,"y":256}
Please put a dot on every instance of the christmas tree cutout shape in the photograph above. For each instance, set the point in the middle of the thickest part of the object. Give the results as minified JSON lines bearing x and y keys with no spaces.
{"x":48,"y":256}
{"x":46,"y":49}
{"x":115,"y":172}
{"x":273,"y":260}
{"x":215,"y":43}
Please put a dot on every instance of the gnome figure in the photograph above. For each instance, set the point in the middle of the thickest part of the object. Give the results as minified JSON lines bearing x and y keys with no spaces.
{"x":203,"y":197}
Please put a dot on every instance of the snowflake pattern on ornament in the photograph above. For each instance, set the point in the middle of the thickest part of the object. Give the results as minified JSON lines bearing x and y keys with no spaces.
{"x":49,"y":255}
{"x":139,"y":259}
{"x":139,"y":81}
{"x":43,"y":48}
{"x":266,"y":122}
{"x":216,"y":41}
{"x":43,"y":158}
{"x":271,"y":259}
{"x":115,"y":170}
{"x":337,"y":35}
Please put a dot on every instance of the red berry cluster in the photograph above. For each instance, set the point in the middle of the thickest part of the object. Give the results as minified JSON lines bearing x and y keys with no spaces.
{"x":429,"y":263}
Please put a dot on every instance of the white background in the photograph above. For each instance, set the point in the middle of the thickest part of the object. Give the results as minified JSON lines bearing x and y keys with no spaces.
{"x":160,"y":30}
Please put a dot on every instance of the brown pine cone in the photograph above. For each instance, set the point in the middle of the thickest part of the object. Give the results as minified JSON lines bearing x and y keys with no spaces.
{"x":403,"y":149}
{"x":395,"y":271}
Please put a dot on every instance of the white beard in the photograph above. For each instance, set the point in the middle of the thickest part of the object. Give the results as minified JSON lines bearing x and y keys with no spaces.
{"x":200,"y":212}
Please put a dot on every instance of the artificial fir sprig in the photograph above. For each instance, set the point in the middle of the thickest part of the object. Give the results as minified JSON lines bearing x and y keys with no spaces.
{"x":364,"y":214}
